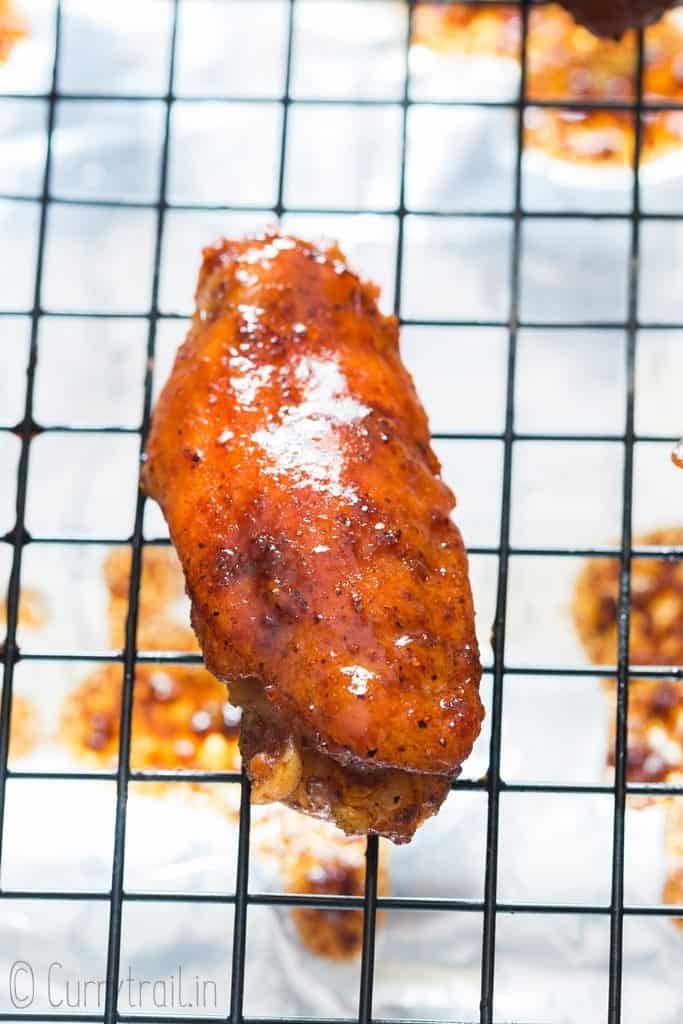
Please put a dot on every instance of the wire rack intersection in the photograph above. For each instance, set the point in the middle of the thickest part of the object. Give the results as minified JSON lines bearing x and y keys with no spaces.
{"x":493,"y":784}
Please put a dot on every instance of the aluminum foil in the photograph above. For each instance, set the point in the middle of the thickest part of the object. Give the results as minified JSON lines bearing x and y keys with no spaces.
{"x":553,"y":848}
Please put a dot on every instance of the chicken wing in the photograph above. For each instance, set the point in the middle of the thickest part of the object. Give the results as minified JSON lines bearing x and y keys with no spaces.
{"x":656,"y":633}
{"x":655,"y":706}
{"x":329,"y":587}
{"x":614,"y":17}
{"x":565,"y":63}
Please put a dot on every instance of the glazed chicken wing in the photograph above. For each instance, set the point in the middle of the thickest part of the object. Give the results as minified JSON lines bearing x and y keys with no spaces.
{"x":614,"y":17}
{"x":329,"y":587}
{"x":565,"y":63}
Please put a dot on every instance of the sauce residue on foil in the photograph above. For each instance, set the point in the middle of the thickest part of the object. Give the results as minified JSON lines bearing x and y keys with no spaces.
{"x":677,"y":454}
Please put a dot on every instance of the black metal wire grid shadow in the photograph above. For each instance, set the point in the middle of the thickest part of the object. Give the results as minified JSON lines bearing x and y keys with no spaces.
{"x":492,"y":784}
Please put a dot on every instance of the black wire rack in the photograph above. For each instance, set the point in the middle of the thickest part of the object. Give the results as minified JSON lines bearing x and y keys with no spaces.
{"x":492,"y":784}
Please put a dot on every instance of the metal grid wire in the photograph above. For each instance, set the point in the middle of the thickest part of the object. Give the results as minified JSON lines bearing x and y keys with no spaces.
{"x":492,"y":784}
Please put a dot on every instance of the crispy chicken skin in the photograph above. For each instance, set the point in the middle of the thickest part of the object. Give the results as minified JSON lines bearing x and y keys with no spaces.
{"x":329,"y":587}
